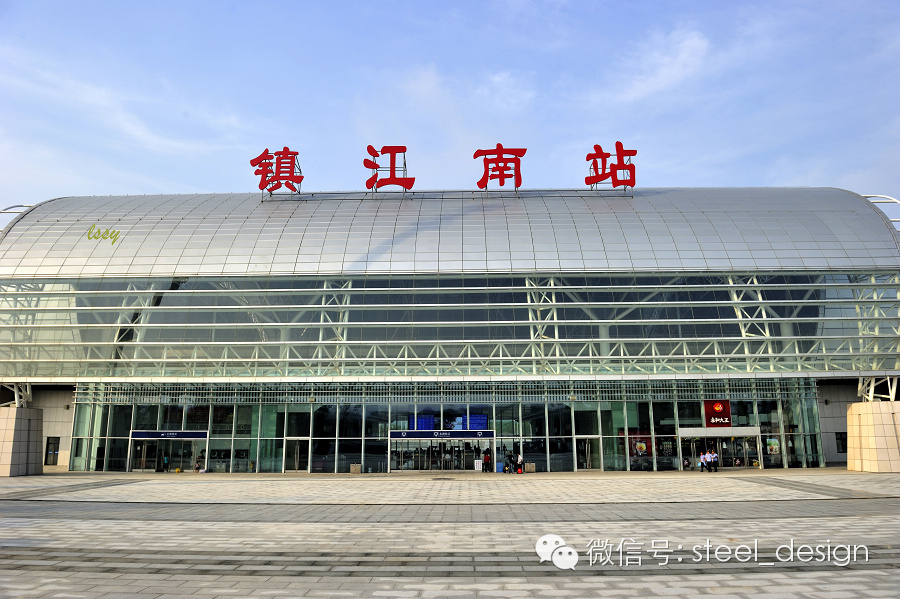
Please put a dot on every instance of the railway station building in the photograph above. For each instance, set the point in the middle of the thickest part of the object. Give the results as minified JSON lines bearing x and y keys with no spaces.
{"x":392,"y":331}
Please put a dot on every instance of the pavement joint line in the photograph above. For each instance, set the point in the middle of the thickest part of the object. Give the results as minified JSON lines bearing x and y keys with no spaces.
{"x":41,"y":492}
{"x":403,"y":514}
{"x":831,"y":492}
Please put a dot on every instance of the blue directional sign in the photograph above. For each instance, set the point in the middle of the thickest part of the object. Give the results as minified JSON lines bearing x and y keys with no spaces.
{"x":168,"y":434}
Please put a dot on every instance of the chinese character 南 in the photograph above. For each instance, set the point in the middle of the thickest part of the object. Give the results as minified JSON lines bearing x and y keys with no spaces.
{"x":374,"y":182}
{"x":599,"y":170}
{"x":285,"y":170}
{"x":498,"y":163}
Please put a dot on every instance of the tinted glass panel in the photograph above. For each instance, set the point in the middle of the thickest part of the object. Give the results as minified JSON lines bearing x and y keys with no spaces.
{"x":324,"y":424}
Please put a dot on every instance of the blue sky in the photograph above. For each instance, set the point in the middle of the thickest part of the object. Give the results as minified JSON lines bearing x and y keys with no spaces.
{"x":104,"y":98}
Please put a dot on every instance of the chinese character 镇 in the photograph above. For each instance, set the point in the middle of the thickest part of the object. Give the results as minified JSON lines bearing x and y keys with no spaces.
{"x":498,"y":163}
{"x":599,"y":171}
{"x":374,"y":182}
{"x":284,"y":171}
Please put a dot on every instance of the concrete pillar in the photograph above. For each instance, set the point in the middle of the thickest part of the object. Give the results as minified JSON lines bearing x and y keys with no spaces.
{"x":21,"y":435}
{"x":873,"y":436}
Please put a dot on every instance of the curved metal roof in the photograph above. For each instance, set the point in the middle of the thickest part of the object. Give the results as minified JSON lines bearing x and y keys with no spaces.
{"x":657,"y":230}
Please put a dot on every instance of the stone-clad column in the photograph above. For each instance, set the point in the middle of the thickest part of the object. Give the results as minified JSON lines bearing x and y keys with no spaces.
{"x":21,"y":432}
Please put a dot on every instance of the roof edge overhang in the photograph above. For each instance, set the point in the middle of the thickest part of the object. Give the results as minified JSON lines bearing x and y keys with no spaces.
{"x":447,"y":379}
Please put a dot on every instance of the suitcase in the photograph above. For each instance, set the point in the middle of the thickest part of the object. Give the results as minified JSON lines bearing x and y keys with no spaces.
{"x":519,"y":470}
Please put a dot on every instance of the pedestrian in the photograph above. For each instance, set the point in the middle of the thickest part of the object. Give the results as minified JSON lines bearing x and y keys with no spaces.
{"x":487,"y":461}
{"x":702,"y":461}
{"x":166,"y":463}
{"x":715,"y":460}
{"x":510,"y":463}
{"x":521,"y":464}
{"x":709,"y":461}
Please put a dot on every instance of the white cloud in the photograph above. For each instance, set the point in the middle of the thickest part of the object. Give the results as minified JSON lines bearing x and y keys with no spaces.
{"x":104,"y":107}
{"x":505,"y":91}
{"x":662,"y":63}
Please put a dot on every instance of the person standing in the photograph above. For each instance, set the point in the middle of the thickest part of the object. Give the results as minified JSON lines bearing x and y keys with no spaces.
{"x":709,"y":461}
{"x":520,"y":463}
{"x":715,"y":460}
{"x":487,"y":461}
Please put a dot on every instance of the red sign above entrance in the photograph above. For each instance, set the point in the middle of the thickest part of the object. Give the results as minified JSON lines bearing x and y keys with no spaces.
{"x":498,"y":163}
{"x":718,"y":412}
{"x":599,"y":172}
{"x":374,"y":182}
{"x":286,"y":170}
{"x":282,"y":169}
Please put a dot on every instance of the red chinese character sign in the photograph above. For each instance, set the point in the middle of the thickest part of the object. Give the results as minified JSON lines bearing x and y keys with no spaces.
{"x":285,"y":170}
{"x":498,"y":163}
{"x":375,"y":181}
{"x":601,"y":169}
{"x":281,"y":169}
{"x":718,"y":412}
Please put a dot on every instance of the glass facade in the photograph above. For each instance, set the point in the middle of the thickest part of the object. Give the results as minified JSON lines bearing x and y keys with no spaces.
{"x":557,"y":426}
{"x":540,"y":325}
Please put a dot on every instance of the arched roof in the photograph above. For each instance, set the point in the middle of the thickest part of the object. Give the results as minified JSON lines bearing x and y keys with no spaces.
{"x":656,"y":230}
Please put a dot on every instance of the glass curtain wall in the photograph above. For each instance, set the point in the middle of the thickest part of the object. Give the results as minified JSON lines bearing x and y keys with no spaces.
{"x":607,"y":427}
{"x":377,"y":326}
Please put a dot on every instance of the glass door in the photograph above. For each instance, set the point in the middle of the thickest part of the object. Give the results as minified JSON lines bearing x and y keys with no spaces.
{"x":588,"y":454}
{"x":751,"y":452}
{"x":296,"y":455}
{"x":143,"y":456}
{"x":691,"y":448}
{"x":730,"y":451}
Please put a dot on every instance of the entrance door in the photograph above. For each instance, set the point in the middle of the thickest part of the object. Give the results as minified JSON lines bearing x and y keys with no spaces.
{"x":743,"y":450}
{"x":693,"y":448}
{"x":587,"y":452}
{"x":176,"y":454}
{"x":296,"y":455}
{"x":143,"y":456}
{"x":739,"y":452}
{"x":431,"y":454}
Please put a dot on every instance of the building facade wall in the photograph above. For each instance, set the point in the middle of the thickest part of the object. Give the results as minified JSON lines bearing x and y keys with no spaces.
{"x":835,"y":398}
{"x":57,"y":405}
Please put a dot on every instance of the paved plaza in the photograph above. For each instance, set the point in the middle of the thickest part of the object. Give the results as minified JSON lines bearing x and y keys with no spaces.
{"x":681,"y":534}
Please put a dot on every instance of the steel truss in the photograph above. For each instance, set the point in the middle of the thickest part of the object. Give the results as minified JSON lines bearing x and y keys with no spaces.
{"x":539,"y":325}
{"x":873,"y":388}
